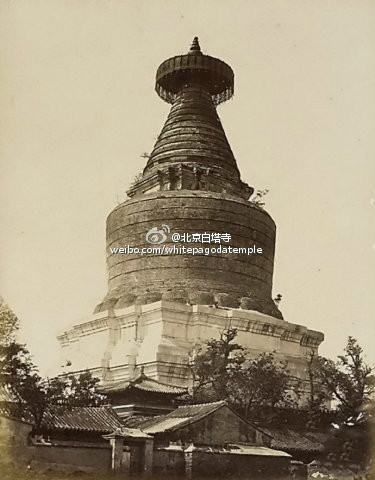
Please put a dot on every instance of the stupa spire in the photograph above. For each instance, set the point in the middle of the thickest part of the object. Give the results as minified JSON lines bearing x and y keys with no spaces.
{"x":192,"y":151}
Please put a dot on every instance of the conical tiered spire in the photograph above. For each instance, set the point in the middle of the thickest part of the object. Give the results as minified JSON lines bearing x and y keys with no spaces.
{"x":192,"y":151}
{"x":193,"y":134}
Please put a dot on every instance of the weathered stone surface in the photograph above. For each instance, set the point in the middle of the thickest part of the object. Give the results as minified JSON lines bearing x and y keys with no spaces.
{"x":162,"y":336}
{"x":107,"y":304}
{"x":176,"y":295}
{"x":237,"y":274}
{"x":201,"y":298}
{"x":226,"y":300}
{"x":125,"y":300}
{"x":255,"y":303}
{"x":148,"y":297}
{"x":248,"y":303}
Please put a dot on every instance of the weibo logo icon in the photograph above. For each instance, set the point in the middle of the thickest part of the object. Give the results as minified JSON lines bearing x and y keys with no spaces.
{"x":156,"y":235}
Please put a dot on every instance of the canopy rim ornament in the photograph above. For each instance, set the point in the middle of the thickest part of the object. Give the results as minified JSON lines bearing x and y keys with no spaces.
{"x":211,"y":73}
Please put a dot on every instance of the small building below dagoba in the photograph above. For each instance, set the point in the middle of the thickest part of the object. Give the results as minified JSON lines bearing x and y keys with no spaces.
{"x":142,"y":395}
{"x":163,"y":302}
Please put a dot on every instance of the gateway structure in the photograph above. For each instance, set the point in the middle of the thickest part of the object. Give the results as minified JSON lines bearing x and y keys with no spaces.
{"x":161,"y":306}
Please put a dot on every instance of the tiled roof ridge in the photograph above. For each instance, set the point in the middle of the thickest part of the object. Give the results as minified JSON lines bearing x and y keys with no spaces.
{"x":80,"y":407}
{"x":175,"y":390}
{"x":144,"y":377}
{"x":217,"y":402}
{"x":186,"y":419}
{"x":95,"y":419}
{"x":289,"y":438}
{"x":136,"y":382}
{"x":215,"y":406}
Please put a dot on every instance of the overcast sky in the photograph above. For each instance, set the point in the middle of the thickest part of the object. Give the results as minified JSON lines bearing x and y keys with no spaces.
{"x":78,"y":108}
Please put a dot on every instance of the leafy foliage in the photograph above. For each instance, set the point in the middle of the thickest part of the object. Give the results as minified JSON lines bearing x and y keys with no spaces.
{"x":349,"y":382}
{"x":258,"y":198}
{"x":263,"y":390}
{"x":82,"y":391}
{"x":225,"y":370}
{"x":262,"y":382}
{"x":215,"y":366}
{"x":38,"y":395}
{"x":9,"y":323}
{"x":318,"y":395}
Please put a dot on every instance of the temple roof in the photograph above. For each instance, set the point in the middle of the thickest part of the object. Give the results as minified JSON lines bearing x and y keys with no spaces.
{"x":181,"y":417}
{"x":281,"y":439}
{"x":143,"y":383}
{"x":292,"y":440}
{"x":86,"y":419}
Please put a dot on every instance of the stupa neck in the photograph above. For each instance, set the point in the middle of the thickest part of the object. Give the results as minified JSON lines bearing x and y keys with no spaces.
{"x":193,"y":133}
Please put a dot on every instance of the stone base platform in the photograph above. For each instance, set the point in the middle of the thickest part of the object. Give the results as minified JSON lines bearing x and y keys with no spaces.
{"x":163,"y":336}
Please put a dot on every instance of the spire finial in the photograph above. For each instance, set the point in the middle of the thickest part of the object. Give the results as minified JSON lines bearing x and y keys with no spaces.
{"x":195,"y":47}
